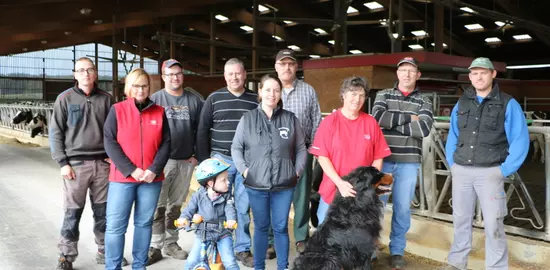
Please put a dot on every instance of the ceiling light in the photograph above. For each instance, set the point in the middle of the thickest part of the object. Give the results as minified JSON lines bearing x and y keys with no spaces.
{"x":314,"y":56}
{"x":191,"y":29}
{"x":67,"y":33}
{"x":98,"y":21}
{"x":293,"y":47}
{"x":145,"y":49}
{"x":221,"y":18}
{"x":419,"y":33}
{"x":331,"y":42}
{"x":475,"y":26}
{"x":444,"y":45}
{"x":85,"y":11}
{"x":499,"y":23}
{"x":289,"y":22}
{"x":492,"y":40}
{"x":44,"y":41}
{"x":25,"y":49}
{"x":320,"y":31}
{"x":134,"y":45}
{"x":467,"y":9}
{"x":352,"y":10}
{"x":529,"y":66}
{"x":395,"y":35}
{"x":156,"y":52}
{"x":355,"y":51}
{"x":373,"y":5}
{"x":383,"y":21}
{"x":416,"y":47}
{"x":278,"y":38}
{"x":262,"y":8}
{"x":247,"y":28}
{"x":522,"y":37}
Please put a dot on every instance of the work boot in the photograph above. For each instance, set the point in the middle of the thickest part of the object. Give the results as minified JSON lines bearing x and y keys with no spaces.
{"x":174,"y":250}
{"x":64,"y":264}
{"x":270,"y":254}
{"x":154,"y":255}
{"x":300,"y":246}
{"x":100,"y":258}
{"x":397,"y":262}
{"x":246,"y":258}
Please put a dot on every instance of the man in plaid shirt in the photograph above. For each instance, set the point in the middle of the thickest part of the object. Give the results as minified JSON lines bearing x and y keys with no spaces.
{"x":301,"y":99}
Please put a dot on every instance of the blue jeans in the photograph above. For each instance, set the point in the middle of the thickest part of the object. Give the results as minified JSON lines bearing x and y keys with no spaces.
{"x":242,"y":233}
{"x":120,"y":198}
{"x":225,"y":249}
{"x":270,"y":208}
{"x":322,"y":211}
{"x":405,"y":176}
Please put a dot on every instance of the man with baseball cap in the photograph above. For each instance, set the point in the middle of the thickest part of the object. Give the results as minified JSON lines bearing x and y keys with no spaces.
{"x":488,"y":141}
{"x":301,"y":99}
{"x":182,"y":107}
{"x":405,"y":117}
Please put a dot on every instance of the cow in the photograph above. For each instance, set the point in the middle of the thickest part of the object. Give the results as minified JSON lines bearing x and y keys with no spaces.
{"x":37,"y":124}
{"x":22,"y":117}
{"x":537,"y":138}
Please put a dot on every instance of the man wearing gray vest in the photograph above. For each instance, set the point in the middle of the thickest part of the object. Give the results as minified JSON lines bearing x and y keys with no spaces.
{"x":488,"y":141}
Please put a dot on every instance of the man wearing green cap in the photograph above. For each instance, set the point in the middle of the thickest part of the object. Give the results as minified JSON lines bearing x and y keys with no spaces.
{"x":488,"y":141}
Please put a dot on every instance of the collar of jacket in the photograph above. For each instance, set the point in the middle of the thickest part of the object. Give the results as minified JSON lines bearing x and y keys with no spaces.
{"x":275,"y":111}
{"x":471,"y":93}
{"x":396,"y":87}
{"x":79,"y":91}
{"x":144,"y":106}
{"x":218,"y":200}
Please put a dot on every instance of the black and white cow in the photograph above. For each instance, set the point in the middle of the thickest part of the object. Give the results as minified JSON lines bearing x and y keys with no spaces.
{"x":22,"y":117}
{"x":37,"y":124}
{"x":537,"y":138}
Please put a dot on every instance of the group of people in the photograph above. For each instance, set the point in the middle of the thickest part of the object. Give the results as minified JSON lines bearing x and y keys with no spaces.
{"x":254,"y":151}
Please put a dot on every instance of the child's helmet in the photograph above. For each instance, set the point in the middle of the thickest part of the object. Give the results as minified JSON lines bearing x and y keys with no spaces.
{"x":210,"y":168}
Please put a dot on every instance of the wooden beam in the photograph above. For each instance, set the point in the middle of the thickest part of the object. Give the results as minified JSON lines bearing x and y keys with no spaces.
{"x":512,"y":9}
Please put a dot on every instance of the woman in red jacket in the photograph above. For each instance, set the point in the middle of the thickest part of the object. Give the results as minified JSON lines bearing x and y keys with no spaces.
{"x":137,"y":139}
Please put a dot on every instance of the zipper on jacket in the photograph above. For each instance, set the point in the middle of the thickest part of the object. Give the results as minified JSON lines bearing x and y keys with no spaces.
{"x":141,"y":136}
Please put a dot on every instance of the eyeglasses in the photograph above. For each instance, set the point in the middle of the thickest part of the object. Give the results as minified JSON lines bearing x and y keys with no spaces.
{"x":407,"y":71}
{"x":172,"y":75}
{"x":136,"y":86}
{"x":82,"y":71}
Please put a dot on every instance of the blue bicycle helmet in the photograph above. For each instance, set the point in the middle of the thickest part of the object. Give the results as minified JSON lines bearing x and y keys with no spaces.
{"x":210,"y":168}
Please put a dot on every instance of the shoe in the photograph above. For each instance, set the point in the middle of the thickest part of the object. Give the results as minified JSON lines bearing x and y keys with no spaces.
{"x":154,"y":256}
{"x":246,"y":258}
{"x":174,"y":250}
{"x":397,"y":262}
{"x":64,"y":264}
{"x":270,"y":254}
{"x":300,"y":246}
{"x":100,"y":258}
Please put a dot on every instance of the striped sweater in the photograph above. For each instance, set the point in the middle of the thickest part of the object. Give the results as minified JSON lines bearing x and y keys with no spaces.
{"x":393,"y":112}
{"x":220,"y":115}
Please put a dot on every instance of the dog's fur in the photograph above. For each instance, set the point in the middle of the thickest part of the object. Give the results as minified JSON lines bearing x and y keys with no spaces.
{"x":348,"y":236}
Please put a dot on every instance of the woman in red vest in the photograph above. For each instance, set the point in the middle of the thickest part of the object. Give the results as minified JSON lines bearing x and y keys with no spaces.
{"x":137,"y":139}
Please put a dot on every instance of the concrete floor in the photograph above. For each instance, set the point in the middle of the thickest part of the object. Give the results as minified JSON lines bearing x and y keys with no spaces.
{"x":31,"y":216}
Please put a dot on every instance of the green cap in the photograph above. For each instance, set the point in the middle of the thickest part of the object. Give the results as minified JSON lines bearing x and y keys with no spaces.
{"x":482,"y":62}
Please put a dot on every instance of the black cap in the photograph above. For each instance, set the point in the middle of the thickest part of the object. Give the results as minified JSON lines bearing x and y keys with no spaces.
{"x":286,"y":53}
{"x":409,"y":60}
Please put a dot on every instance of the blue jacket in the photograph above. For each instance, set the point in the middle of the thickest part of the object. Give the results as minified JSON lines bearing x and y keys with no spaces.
{"x":220,"y":209}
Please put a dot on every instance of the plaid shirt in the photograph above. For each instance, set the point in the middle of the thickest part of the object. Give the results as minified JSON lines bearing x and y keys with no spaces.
{"x":302,"y":100}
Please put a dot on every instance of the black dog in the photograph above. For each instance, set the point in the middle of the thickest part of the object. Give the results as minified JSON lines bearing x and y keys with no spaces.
{"x":347,"y":237}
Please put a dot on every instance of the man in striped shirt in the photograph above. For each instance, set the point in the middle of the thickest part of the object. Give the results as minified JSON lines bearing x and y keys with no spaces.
{"x":405,"y":117}
{"x":220,"y":115}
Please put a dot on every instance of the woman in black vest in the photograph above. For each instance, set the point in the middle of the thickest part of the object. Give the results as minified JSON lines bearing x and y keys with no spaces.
{"x":269,"y":150}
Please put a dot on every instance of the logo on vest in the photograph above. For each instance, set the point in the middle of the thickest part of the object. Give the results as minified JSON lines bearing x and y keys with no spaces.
{"x":283,"y":132}
{"x":153,"y":122}
{"x":367,"y":137}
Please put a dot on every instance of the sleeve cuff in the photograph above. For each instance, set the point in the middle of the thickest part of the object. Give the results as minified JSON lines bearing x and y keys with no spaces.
{"x":63,"y":162}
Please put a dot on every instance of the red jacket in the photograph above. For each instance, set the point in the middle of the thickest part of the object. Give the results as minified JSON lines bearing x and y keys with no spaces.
{"x":136,"y":139}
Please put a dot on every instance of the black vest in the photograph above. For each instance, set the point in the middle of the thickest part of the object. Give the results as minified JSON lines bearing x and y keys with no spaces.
{"x":270,"y":149}
{"x":482,"y":139}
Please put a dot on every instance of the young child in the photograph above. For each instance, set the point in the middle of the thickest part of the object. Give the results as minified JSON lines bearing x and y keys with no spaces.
{"x":212,"y":202}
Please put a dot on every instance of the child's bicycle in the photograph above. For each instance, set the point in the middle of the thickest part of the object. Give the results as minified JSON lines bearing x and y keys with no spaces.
{"x":210,"y":258}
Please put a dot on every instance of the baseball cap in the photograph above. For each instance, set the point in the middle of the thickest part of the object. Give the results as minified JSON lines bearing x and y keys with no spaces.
{"x":170,"y":62}
{"x":286,"y":53}
{"x":482,"y":62}
{"x":409,"y":60}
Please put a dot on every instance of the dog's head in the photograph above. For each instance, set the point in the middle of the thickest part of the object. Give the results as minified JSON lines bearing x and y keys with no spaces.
{"x":369,"y":178}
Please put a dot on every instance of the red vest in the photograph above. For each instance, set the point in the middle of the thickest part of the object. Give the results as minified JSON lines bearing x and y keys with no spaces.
{"x":139,"y":135}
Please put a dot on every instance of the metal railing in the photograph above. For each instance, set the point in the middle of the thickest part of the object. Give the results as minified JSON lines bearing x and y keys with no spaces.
{"x":8,"y":112}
